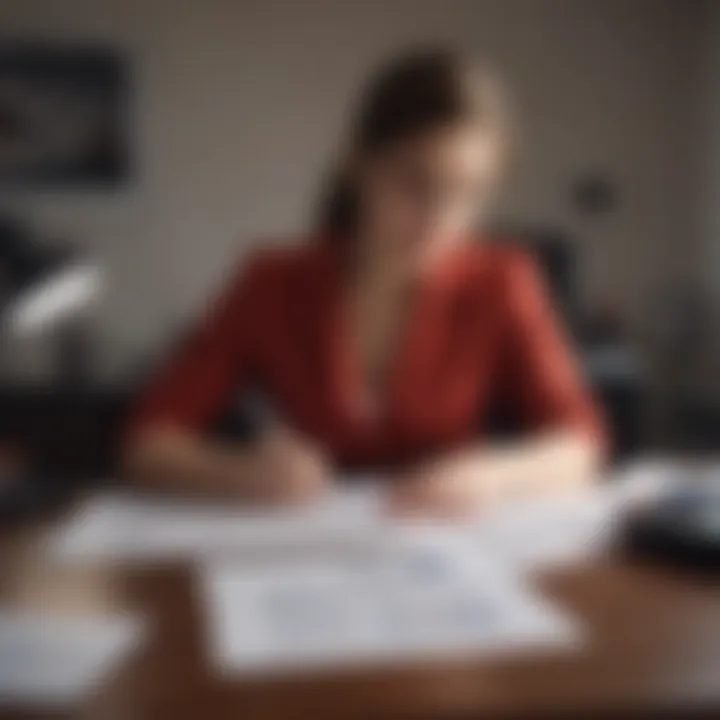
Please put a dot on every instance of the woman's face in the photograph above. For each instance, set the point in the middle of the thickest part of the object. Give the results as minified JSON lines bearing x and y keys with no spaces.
{"x":424,"y":194}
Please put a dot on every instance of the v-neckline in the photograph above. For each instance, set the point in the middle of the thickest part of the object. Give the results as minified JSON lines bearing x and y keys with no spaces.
{"x":346,"y":375}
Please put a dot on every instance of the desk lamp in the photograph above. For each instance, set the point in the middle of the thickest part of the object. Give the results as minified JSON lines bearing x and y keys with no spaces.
{"x":41,"y":288}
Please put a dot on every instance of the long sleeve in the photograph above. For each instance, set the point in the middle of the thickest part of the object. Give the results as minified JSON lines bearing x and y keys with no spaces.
{"x":544,"y":382}
{"x":212,"y":364}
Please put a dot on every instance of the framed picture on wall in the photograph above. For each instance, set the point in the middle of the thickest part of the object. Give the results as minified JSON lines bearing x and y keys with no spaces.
{"x":63,"y":116}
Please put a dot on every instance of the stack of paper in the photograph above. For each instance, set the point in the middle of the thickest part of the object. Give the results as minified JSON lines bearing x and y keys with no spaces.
{"x":54,"y":661}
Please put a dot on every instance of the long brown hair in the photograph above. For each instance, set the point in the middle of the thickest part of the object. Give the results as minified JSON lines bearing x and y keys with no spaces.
{"x":416,"y":92}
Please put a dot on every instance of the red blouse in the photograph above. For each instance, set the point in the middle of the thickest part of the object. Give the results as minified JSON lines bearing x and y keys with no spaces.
{"x":481,"y":336}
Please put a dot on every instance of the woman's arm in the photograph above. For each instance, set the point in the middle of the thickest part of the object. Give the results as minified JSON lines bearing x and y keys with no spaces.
{"x":279,"y":468}
{"x":541,"y":386}
{"x":473,"y":478}
{"x":547,"y":463}
{"x":166,"y":446}
{"x":170,"y":458}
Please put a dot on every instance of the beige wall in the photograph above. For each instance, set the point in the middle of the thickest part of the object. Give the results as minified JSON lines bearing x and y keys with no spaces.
{"x":709,"y":257}
{"x":711,"y":189}
{"x":238,"y":106}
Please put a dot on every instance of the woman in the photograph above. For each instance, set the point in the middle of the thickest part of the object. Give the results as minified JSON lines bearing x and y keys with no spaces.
{"x":391,"y":337}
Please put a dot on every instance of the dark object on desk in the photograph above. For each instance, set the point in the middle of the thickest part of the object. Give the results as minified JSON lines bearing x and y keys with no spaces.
{"x":30,"y":498}
{"x":697,"y":421}
{"x":682,"y":529}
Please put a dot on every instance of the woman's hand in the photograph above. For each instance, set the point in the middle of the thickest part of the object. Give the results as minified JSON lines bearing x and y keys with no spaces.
{"x":468,"y":481}
{"x":457,"y":485}
{"x":283,"y":469}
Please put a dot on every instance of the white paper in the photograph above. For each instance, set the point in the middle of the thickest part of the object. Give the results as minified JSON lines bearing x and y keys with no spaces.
{"x":419,"y":600}
{"x":53,"y":660}
{"x":572,"y":527}
{"x":117,"y":527}
{"x":550,"y":532}
{"x":523,"y":533}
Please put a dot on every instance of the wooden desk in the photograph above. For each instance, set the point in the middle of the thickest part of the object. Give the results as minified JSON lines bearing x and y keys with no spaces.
{"x":653,"y":647}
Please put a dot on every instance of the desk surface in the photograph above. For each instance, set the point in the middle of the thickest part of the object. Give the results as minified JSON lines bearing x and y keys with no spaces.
{"x":654,"y":644}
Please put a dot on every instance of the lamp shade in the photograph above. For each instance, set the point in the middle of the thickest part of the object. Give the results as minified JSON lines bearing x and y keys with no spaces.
{"x":43,"y":286}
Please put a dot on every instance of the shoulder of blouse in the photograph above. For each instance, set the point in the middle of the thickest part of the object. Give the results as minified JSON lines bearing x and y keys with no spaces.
{"x":272,"y":263}
{"x":498,"y":265}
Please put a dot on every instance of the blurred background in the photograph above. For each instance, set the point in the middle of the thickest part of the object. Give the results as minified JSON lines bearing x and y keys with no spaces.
{"x":166,"y":138}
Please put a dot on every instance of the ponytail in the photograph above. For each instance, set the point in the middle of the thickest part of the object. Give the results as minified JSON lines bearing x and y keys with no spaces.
{"x":337,"y":213}
{"x":417,"y":92}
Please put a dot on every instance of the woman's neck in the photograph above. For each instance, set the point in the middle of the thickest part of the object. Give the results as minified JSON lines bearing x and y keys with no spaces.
{"x":375,"y":269}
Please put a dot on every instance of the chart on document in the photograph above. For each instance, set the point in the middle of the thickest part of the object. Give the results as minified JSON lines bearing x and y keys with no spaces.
{"x":419,"y":600}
